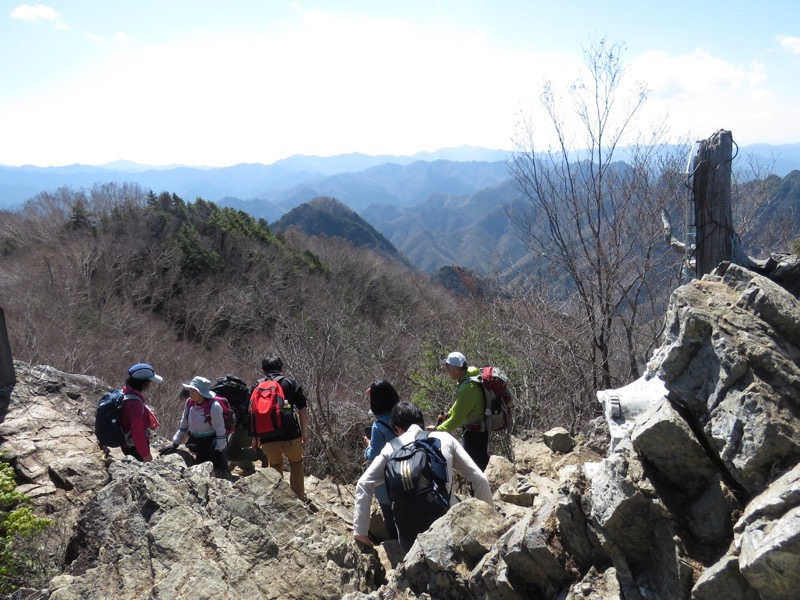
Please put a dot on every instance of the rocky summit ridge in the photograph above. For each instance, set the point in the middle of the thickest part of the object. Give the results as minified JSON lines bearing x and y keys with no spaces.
{"x":688,"y":488}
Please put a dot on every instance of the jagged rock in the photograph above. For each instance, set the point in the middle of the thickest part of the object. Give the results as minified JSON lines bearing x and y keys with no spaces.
{"x":523,"y":490}
{"x":731,"y":359}
{"x":527,"y":562}
{"x":596,"y":586}
{"x":724,"y":580}
{"x":171,"y":531}
{"x":635,"y":527}
{"x":598,"y":436}
{"x":558,"y":440}
{"x":532,"y":552}
{"x":533,"y":457}
{"x":768,"y":539}
{"x":708,"y":514}
{"x":441,"y":560}
{"x":577,"y":537}
{"x":500,"y":470}
{"x":664,"y":441}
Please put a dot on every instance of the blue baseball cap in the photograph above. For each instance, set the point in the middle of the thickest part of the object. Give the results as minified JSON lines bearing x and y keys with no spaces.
{"x":144,"y":371}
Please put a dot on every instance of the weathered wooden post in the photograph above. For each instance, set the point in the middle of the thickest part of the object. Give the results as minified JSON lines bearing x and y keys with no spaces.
{"x":7,"y":376}
{"x":712,"y":196}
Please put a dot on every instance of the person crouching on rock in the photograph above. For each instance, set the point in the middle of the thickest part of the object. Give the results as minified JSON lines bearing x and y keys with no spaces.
{"x":204,"y":426}
{"x":138,"y":419}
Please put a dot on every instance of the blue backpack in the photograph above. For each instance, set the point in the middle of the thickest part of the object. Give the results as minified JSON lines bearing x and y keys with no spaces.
{"x":108,"y":420}
{"x":416,"y":480}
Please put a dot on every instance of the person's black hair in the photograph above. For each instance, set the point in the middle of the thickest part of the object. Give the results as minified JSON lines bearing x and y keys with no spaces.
{"x":137,"y":384}
{"x":271,"y":364}
{"x":382,"y":397}
{"x":405,"y":414}
{"x":184,"y":393}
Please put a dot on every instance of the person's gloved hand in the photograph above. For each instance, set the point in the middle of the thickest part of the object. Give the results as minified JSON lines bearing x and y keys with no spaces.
{"x":168,"y":449}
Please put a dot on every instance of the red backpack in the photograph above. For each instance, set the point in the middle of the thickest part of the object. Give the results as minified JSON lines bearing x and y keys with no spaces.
{"x":228,"y":416}
{"x":498,"y":400}
{"x":271,"y":414}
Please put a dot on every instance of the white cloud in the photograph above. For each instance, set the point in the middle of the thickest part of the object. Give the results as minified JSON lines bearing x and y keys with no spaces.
{"x":684,"y":77}
{"x":789,"y":43}
{"x":757,"y":73}
{"x":762,"y":95}
{"x":703,"y":93}
{"x":34,"y":13}
{"x":326,"y":87}
{"x":97,"y":39}
{"x":121,"y":37}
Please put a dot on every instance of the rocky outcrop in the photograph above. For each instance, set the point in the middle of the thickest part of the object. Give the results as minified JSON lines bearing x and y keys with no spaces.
{"x":692,"y":494}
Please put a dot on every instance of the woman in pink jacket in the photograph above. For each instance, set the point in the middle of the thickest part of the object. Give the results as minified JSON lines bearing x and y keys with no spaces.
{"x":138,"y":419}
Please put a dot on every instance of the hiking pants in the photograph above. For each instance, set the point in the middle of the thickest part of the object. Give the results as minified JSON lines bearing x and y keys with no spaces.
{"x":293,"y":451}
{"x":240,"y":452}
{"x":476,"y":443}
{"x":132,"y":451}
{"x":203,"y":448}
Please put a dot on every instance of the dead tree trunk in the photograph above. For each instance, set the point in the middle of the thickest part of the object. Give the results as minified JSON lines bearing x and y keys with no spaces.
{"x":712,"y":195}
{"x":7,"y":376}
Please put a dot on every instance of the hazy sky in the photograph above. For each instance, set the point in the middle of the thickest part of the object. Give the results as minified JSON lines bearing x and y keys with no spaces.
{"x":207,"y":82}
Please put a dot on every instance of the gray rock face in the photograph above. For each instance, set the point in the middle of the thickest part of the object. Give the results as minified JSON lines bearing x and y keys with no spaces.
{"x":171,"y":531}
{"x":698,"y":496}
{"x":767,"y":539}
{"x":731,"y":359}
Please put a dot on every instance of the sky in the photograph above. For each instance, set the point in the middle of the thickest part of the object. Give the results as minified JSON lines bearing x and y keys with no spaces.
{"x":212,"y":83}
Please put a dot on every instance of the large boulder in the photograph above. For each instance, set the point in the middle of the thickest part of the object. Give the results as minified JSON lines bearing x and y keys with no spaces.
{"x":731,"y":360}
{"x":170,"y":531}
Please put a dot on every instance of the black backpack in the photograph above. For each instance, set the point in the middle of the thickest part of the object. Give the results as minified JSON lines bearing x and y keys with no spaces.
{"x":108,"y":420}
{"x":416,"y":480}
{"x":238,"y":395}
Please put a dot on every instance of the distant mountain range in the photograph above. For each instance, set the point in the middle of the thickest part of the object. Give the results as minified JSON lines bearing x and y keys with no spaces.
{"x":437,"y":209}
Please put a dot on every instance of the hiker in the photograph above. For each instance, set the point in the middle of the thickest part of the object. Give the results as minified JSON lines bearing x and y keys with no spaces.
{"x":408,"y":421}
{"x":289,"y":441}
{"x":202,"y":426}
{"x":382,"y":398}
{"x":241,"y":455}
{"x":138,"y":419}
{"x":468,"y":408}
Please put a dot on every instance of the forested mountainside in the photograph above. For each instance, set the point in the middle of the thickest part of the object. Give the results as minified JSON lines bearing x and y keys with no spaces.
{"x":437,"y":213}
{"x":93,"y":282}
{"x":328,"y":217}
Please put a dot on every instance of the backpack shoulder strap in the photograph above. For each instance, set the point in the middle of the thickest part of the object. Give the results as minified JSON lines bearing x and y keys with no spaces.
{"x":396,"y":444}
{"x":279,"y":380}
{"x":207,"y":408}
{"x":130,"y":396}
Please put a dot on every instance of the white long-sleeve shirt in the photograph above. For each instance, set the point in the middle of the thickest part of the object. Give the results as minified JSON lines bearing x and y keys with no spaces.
{"x":193,"y":422}
{"x":456,"y":458}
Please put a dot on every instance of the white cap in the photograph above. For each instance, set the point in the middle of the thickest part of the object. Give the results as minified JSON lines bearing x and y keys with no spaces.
{"x":455,"y":359}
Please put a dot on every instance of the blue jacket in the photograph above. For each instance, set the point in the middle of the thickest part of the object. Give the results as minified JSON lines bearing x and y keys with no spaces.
{"x":382,"y":433}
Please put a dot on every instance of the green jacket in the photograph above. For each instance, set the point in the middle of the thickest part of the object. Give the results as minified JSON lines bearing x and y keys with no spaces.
{"x":469,"y":404}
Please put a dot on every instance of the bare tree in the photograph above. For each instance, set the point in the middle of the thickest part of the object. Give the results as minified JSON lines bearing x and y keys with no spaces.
{"x":593,"y":220}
